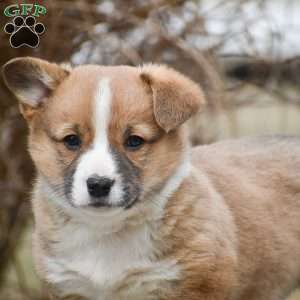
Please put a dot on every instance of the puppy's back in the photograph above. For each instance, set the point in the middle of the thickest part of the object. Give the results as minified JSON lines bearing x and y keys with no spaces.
{"x":259,"y":180}
{"x":260,"y":162}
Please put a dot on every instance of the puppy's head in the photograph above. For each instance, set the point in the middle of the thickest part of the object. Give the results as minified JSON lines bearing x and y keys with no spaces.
{"x":103,"y":136}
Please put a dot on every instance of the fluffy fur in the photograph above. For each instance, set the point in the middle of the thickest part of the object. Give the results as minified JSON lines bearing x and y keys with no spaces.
{"x":218,"y":222}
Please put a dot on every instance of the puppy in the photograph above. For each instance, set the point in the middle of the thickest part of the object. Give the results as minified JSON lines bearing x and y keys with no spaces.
{"x":125,"y":210}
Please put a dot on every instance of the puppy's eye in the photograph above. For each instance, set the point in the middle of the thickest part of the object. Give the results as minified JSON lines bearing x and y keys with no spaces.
{"x":134,"y":142}
{"x":72,"y":142}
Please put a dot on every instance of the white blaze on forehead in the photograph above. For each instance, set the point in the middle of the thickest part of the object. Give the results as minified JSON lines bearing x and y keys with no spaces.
{"x":98,"y":160}
{"x":102,"y":109}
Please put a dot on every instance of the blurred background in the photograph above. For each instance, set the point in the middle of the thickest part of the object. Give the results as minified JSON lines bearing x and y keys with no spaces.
{"x":244,"y":53}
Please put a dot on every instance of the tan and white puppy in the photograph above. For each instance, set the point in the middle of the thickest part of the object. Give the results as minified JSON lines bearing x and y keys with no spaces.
{"x":125,"y":210}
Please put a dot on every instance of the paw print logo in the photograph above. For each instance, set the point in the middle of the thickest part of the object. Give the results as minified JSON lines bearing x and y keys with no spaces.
{"x":24,"y":32}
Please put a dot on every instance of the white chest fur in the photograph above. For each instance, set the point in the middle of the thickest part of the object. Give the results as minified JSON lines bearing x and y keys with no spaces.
{"x":113,"y":267}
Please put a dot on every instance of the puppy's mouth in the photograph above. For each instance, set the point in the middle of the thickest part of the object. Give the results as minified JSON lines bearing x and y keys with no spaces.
{"x":131,"y":203}
{"x":126,"y":202}
{"x":104,"y":203}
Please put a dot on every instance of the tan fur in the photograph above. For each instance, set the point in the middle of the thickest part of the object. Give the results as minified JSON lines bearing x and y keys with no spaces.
{"x":175,"y":97}
{"x":45,"y":76}
{"x":229,"y":231}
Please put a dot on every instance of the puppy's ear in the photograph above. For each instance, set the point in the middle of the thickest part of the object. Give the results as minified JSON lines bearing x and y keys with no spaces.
{"x":32,"y":81}
{"x":175,"y":97}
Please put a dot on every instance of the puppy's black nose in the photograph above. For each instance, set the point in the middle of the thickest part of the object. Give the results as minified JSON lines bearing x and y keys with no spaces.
{"x":99,"y":186}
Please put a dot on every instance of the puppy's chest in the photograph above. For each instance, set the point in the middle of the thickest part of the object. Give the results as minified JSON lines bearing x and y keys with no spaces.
{"x":115,"y":267}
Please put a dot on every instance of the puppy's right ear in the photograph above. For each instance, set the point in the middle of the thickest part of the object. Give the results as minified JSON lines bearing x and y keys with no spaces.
{"x":32,"y":80}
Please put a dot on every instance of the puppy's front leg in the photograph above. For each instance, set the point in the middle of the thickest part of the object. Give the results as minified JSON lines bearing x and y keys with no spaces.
{"x":217,"y":282}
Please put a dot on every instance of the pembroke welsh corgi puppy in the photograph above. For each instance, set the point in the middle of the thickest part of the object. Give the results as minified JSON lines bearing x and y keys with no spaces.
{"x":124,"y":209}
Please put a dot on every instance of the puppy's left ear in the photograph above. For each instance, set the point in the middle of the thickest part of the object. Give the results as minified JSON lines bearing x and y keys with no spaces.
{"x":175,"y":97}
{"x":33,"y":81}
